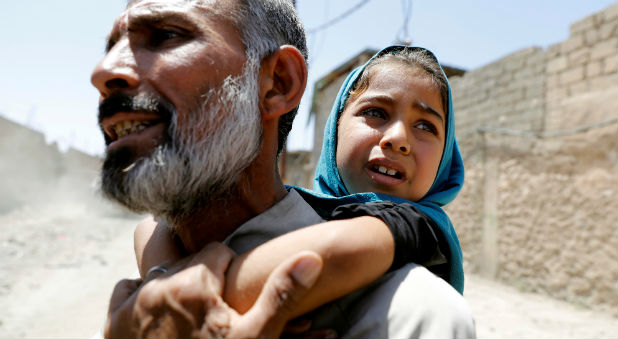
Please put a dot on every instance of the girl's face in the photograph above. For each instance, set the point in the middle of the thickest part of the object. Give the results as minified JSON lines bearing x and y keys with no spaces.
{"x":391,"y":136}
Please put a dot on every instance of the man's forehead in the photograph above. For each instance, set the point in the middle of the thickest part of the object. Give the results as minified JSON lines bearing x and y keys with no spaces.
{"x":161,"y":9}
{"x":160,"y":5}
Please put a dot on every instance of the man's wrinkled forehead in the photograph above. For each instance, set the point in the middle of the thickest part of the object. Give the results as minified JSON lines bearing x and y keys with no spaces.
{"x":214,"y":6}
{"x":158,"y":10}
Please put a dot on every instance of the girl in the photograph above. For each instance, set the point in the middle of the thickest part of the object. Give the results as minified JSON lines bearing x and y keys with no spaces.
{"x":391,"y":132}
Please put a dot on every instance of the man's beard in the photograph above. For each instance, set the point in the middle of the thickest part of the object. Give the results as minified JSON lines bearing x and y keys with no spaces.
{"x":200,"y":161}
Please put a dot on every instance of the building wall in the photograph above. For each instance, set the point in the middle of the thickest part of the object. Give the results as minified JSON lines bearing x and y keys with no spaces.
{"x":506,"y":93}
{"x":34,"y":172}
{"x":539,"y":137}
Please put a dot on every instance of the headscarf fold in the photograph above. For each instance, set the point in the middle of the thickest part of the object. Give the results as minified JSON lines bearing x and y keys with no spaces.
{"x":331,"y":192}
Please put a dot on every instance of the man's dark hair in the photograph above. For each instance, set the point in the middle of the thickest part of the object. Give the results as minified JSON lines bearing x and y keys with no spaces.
{"x":264,"y":26}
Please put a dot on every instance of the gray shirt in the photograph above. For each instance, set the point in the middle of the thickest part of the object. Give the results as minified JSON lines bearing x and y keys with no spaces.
{"x":409,"y":302}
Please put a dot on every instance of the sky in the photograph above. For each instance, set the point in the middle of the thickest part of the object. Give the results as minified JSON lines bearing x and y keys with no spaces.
{"x":49,"y":49}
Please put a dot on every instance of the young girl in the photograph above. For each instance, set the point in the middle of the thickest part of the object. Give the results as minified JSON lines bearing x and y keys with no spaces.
{"x":391,"y":132}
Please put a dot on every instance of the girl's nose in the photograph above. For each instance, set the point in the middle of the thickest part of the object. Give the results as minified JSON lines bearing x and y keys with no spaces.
{"x":396,"y":138}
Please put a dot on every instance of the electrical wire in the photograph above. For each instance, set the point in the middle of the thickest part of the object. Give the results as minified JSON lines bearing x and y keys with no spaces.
{"x":403,"y":36}
{"x":338,"y":18}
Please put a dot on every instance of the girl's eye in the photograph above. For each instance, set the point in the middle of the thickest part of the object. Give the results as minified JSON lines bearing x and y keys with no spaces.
{"x":373,"y":113}
{"x":427,"y":126}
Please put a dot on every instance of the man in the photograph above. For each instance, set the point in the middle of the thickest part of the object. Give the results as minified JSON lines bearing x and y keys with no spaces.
{"x":197,"y":99}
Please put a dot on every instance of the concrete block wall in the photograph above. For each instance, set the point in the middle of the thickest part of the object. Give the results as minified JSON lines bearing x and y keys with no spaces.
{"x":539,"y":209}
{"x":582,"y":81}
{"x":507,"y":93}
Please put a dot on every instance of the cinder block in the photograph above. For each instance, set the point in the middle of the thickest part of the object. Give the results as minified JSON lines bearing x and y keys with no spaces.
{"x":514,"y":64}
{"x":610,"y":64}
{"x":536,"y":90}
{"x":604,"y":82}
{"x":553,"y":51}
{"x":591,"y":37}
{"x":573,"y":74}
{"x":610,"y":13}
{"x":538,"y":57}
{"x":593,"y":69}
{"x":552,"y":81}
{"x":573,"y":43}
{"x":585,"y":24}
{"x":604,"y":49}
{"x":579,"y":57}
{"x":557,"y":65}
{"x":608,"y":30}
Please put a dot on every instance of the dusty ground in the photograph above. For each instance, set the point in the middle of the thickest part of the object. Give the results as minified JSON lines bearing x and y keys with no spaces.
{"x":60,"y":263}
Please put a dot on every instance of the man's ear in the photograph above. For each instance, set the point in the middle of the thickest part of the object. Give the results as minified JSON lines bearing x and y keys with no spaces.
{"x":283,"y":77}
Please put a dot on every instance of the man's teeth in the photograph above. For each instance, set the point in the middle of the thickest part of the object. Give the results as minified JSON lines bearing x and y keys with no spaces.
{"x":127,"y":127}
{"x":388,"y":171}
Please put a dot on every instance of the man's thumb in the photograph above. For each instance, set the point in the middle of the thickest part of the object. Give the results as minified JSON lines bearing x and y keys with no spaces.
{"x":306,"y":268}
{"x":285,"y":288}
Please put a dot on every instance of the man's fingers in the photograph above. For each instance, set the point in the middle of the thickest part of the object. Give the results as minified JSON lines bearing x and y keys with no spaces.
{"x":216,"y":257}
{"x":122,"y":291}
{"x":120,"y":306}
{"x":285,"y":288}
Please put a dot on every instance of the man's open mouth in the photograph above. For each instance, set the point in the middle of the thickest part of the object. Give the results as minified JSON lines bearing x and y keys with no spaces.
{"x":124,"y":128}
{"x":128,"y":124}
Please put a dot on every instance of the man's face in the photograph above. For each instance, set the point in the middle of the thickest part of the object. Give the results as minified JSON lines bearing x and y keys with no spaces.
{"x":171,"y":49}
{"x":175,"y":106}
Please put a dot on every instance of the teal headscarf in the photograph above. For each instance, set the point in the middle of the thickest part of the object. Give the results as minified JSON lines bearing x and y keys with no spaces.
{"x":446,"y":185}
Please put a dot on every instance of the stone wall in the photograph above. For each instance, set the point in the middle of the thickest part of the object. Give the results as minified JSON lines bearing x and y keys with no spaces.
{"x":539,"y":135}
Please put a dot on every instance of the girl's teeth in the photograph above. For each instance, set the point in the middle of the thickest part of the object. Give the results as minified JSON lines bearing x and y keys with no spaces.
{"x":382,"y":169}
{"x":391,"y":172}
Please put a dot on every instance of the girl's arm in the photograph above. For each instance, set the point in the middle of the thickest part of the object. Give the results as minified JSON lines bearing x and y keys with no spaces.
{"x":355,"y":252}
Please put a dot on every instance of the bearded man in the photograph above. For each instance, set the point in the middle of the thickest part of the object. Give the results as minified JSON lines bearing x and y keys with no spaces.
{"x":197,"y":99}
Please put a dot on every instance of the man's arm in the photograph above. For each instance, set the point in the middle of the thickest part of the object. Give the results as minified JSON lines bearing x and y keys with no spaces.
{"x":186,"y":301}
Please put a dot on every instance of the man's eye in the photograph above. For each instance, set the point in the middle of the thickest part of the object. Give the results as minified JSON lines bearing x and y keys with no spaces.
{"x":427,"y":126}
{"x":373,"y":113}
{"x":159,"y":36}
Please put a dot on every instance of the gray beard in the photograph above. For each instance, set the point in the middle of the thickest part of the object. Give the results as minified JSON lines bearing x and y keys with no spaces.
{"x":201,"y":161}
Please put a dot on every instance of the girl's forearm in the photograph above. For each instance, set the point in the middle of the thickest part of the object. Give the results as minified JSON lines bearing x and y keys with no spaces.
{"x":355,"y":252}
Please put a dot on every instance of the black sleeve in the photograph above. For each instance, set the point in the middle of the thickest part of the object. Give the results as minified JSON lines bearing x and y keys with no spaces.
{"x":417,"y":237}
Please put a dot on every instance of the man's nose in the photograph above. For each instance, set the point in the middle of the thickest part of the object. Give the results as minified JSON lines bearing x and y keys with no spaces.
{"x":396,"y":138}
{"x":117,"y":70}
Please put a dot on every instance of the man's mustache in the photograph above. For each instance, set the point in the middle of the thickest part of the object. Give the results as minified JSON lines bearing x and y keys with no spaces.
{"x":119,"y":102}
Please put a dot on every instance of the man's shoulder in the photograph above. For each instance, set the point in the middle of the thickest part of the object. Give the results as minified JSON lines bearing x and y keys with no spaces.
{"x":289,"y":214}
{"x":408,"y":302}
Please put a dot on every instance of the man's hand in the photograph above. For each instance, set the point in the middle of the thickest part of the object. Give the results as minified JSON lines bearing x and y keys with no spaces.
{"x":186,"y":301}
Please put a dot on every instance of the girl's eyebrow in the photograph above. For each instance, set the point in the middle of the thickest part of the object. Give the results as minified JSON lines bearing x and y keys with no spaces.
{"x":427,"y":109}
{"x":418,"y":104}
